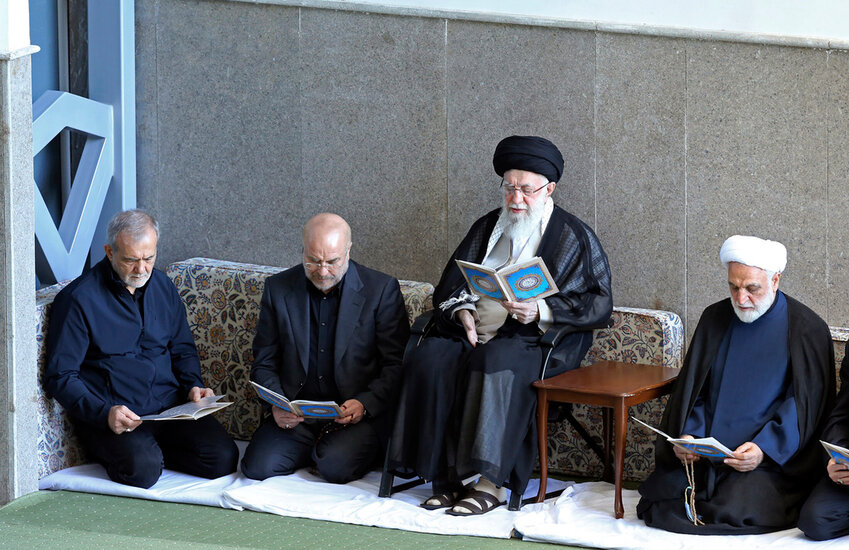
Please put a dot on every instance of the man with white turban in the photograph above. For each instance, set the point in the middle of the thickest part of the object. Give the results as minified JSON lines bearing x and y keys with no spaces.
{"x":758,"y":377}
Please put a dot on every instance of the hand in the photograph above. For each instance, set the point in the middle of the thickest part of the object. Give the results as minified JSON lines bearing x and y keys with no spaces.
{"x":468,"y":321}
{"x":122,"y":420}
{"x":524,"y":312}
{"x":196,"y":393}
{"x":285,"y":419}
{"x":352,"y":412}
{"x":684,"y":455}
{"x":747,"y":457}
{"x":839,"y":473}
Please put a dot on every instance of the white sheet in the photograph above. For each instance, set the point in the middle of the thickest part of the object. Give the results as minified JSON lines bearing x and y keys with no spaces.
{"x":171,"y":487}
{"x":304,"y":495}
{"x":583,"y":516}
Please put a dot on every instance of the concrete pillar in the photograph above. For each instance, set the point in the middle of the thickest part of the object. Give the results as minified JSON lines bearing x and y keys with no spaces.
{"x":18,"y":377}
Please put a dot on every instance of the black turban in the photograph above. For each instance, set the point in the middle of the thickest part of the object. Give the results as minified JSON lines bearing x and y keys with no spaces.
{"x":530,"y":153}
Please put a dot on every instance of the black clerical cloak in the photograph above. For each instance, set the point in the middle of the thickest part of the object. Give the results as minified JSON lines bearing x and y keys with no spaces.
{"x":576,"y":261}
{"x":768,"y":498}
{"x":440,"y":376}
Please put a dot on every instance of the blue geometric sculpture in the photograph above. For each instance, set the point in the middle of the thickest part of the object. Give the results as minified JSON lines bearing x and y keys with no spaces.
{"x":66,"y":247}
{"x":105,"y":182}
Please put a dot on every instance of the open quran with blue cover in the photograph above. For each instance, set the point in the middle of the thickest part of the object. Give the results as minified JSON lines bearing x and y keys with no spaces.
{"x":522,"y":282}
{"x":838,"y":453}
{"x":301,"y":407}
{"x":707,"y":447}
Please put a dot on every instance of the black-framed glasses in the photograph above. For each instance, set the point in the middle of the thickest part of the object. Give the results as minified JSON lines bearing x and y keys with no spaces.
{"x":526,"y":190}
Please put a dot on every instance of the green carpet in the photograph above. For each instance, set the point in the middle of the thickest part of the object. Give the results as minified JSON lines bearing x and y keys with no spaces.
{"x":67,"y":520}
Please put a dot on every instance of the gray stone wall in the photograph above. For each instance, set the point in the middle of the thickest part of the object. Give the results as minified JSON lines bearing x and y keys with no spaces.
{"x":252,"y":117}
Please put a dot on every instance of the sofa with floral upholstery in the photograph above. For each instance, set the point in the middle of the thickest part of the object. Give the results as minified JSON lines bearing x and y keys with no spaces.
{"x":222,"y":305}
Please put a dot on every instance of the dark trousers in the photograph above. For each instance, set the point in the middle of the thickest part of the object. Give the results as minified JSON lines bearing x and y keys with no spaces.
{"x":341,"y":453}
{"x":197,"y":447}
{"x":825,"y":514}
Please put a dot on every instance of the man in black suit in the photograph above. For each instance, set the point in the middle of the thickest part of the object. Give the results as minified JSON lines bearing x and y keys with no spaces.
{"x":329,"y":330}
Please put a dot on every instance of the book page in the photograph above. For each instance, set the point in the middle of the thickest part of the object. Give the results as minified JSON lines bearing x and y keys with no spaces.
{"x":273,"y":397}
{"x":191,"y":410}
{"x":838,"y":453}
{"x":319,"y":409}
{"x":482,"y":280}
{"x":528,"y":281}
{"x":706,"y":446}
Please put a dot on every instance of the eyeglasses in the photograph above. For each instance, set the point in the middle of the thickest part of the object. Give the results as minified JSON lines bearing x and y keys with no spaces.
{"x":526,"y":190}
{"x":330,"y":265}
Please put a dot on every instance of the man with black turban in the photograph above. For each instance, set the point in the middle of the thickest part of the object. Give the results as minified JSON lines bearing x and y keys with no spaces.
{"x":467,"y":404}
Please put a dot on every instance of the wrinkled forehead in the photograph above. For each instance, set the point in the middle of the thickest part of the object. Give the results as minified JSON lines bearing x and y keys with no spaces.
{"x":744,"y":275}
{"x":136,"y":245}
{"x":524,"y":177}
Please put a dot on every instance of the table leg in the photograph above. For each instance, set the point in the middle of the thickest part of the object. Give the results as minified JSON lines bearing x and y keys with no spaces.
{"x":542,"y":441}
{"x":607,"y":440}
{"x":621,"y":427}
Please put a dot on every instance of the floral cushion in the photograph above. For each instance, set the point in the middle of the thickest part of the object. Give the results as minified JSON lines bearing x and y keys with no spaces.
{"x":57,"y":446}
{"x":222,"y":302}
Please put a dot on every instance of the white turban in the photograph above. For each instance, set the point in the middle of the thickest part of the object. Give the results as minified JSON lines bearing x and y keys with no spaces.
{"x":754,"y":252}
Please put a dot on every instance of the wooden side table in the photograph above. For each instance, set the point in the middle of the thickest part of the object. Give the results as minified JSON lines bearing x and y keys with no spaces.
{"x":608,"y":384}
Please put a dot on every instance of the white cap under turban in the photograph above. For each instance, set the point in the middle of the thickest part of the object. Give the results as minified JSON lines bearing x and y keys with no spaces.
{"x":755,"y":252}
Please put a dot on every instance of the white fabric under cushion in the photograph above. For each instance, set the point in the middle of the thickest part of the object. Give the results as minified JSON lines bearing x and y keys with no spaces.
{"x":583,"y":516}
{"x":171,"y":487}
{"x":304,"y":495}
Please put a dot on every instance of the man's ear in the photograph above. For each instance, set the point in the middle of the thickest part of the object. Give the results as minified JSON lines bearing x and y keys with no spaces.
{"x":775,"y":279}
{"x":108,"y":250}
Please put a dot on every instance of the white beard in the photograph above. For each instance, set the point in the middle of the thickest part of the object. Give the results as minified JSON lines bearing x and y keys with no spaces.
{"x":521,"y":226}
{"x":750,"y":315}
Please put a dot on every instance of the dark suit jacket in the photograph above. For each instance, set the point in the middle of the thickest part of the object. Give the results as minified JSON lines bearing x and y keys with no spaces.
{"x":371,"y":333}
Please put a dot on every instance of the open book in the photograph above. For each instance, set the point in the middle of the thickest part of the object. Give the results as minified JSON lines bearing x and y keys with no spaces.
{"x":523,"y":282}
{"x":706,"y":446}
{"x":191,"y":410}
{"x":838,"y":453}
{"x":308,"y":409}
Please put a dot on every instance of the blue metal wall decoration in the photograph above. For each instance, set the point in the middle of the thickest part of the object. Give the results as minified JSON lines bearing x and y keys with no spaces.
{"x":105,"y":182}
{"x":66,"y":248}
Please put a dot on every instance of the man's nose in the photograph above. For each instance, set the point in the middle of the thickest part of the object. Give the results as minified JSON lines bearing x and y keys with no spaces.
{"x":516,"y":191}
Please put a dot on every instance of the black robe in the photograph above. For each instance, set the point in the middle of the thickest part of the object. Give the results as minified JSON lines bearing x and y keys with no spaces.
{"x":769,"y":497}
{"x":450,"y":388}
{"x":825,"y":514}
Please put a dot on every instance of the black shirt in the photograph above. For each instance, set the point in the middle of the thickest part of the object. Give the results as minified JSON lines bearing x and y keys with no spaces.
{"x":324,"y":309}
